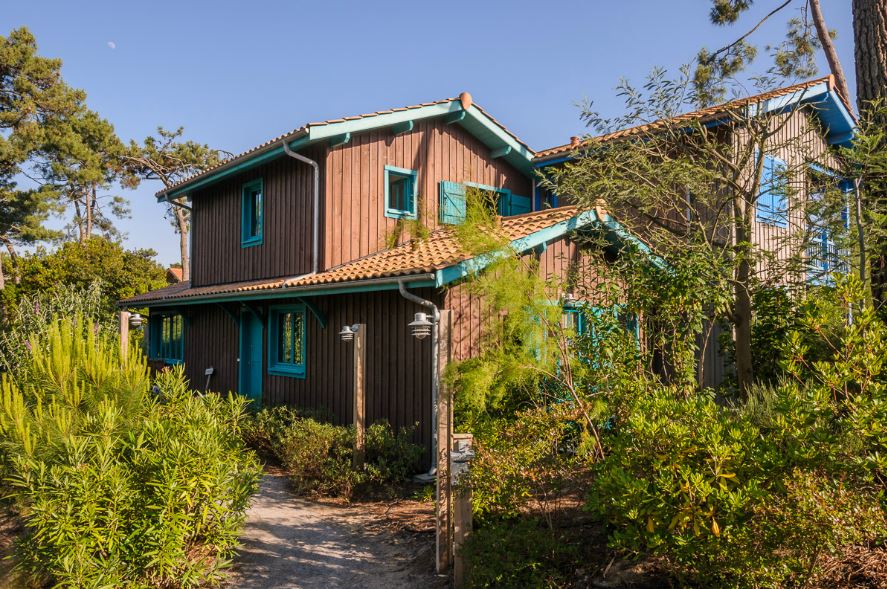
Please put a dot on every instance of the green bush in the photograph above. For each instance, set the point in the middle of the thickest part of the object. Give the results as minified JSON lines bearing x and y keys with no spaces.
{"x":518,"y":553}
{"x":755,"y":494}
{"x":116,"y":486}
{"x":318,"y":455}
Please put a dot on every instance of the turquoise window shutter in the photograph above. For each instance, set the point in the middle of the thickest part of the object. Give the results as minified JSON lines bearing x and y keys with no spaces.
{"x":452,"y":203}
{"x":520,"y":205}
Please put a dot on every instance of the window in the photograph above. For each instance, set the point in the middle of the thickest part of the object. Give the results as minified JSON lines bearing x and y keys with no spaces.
{"x":452,"y":201}
{"x":400,"y":193}
{"x":286,"y":341}
{"x":252,"y":213}
{"x":772,"y":204}
{"x":827,"y":225}
{"x":166,"y":337}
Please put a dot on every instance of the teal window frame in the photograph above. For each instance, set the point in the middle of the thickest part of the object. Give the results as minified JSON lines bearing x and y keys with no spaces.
{"x":249,"y":215}
{"x":281,"y":366}
{"x":503,"y":200}
{"x":772,"y":203}
{"x":409,"y":211}
{"x":166,"y":337}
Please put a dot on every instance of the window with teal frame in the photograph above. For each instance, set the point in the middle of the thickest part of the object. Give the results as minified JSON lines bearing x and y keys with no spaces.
{"x":400,"y":193}
{"x":772,"y":203}
{"x":286,"y":340}
{"x":166,"y":337}
{"x":252,"y":213}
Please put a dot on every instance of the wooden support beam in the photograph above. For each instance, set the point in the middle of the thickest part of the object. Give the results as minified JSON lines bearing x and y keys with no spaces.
{"x":339,"y":139}
{"x":318,"y":314}
{"x":443,"y":490}
{"x":401,"y":128}
{"x":454,"y":117}
{"x":500,"y":152}
{"x":124,"y":335}
{"x":359,"y":407}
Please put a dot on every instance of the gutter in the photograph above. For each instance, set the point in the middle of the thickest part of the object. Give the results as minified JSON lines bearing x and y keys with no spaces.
{"x":316,"y":221}
{"x":435,"y":369}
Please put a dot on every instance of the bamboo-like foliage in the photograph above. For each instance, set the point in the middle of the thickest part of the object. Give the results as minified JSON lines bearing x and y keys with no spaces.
{"x":118,"y":486}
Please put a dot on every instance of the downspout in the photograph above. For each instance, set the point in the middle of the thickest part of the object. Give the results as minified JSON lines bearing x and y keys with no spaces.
{"x":315,"y":256}
{"x":435,"y":372}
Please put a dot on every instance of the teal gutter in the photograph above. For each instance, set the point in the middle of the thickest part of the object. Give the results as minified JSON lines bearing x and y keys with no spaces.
{"x":371,"y":285}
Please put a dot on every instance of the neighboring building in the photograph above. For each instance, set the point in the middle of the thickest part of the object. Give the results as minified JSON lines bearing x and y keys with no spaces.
{"x":173,"y":275}
{"x":310,"y":231}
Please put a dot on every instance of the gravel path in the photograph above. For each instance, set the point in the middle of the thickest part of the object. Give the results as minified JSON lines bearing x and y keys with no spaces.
{"x":292,"y":542}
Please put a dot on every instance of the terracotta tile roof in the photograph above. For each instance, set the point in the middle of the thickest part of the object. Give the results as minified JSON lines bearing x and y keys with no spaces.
{"x":299,"y":131}
{"x":701,"y":114}
{"x":439,"y":250}
{"x":173,"y":275}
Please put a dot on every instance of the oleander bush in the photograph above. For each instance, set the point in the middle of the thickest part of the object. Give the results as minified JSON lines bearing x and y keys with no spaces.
{"x":117,"y":484}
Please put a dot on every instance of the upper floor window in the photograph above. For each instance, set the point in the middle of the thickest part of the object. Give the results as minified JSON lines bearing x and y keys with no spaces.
{"x":286,"y":340}
{"x":400,"y":193}
{"x":252,"y":213}
{"x":500,"y":200}
{"x":166,"y":337}
{"x":772,"y":204}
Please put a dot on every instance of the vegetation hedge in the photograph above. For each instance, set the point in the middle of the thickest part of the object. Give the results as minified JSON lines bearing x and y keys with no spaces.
{"x":318,"y":455}
{"x":119,"y":485}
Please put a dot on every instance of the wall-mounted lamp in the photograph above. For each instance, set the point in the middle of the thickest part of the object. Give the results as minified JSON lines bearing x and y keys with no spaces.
{"x":135,"y":321}
{"x":420,"y":326}
{"x":348,"y":331}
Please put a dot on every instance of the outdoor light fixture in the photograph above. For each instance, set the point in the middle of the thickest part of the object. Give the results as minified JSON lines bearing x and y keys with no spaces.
{"x":348,"y":331}
{"x":421,"y":326}
{"x":135,"y":321}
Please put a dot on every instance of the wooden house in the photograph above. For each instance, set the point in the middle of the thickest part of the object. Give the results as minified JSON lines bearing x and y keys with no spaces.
{"x":310,"y":231}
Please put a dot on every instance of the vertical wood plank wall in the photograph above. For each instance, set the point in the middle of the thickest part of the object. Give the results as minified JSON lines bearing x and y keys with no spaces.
{"x":355,"y":216}
{"x":217,"y":256}
{"x":398,"y":379}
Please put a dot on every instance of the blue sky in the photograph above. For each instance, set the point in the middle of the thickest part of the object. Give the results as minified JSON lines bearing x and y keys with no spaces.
{"x":237,"y":73}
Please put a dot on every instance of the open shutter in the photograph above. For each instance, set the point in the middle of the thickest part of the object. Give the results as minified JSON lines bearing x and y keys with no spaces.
{"x":452,"y":203}
{"x":520,"y":205}
{"x":772,"y":205}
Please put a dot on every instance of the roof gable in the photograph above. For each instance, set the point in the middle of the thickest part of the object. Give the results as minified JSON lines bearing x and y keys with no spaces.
{"x":828,"y":106}
{"x":461,"y":110}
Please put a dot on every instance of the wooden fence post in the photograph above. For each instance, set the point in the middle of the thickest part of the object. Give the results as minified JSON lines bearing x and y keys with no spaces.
{"x":443,"y":491}
{"x":124,"y":335}
{"x":359,"y":396}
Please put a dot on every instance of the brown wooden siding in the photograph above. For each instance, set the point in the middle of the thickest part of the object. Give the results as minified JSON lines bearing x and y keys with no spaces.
{"x":217,"y":256}
{"x":398,"y":365}
{"x":211,"y":340}
{"x":355,"y":219}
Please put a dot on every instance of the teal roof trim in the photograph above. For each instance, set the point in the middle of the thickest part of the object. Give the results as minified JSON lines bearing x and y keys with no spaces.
{"x":474,"y":120}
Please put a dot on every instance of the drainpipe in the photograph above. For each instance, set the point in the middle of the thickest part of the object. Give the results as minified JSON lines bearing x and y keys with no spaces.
{"x":435,"y":372}
{"x":315,"y":256}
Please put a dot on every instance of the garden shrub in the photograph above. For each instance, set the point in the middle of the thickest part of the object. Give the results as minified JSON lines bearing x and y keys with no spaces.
{"x":117,"y":486}
{"x":318,"y":455}
{"x":518,"y":553}
{"x":757,"y":493}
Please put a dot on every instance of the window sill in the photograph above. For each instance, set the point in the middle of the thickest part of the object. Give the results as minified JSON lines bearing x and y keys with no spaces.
{"x":396,"y":214}
{"x":284,"y":370}
{"x":252,"y":242}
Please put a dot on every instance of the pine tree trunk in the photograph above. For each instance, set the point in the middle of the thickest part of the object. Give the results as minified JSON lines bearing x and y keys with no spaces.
{"x":828,"y":47}
{"x":870,"y":34}
{"x":182,"y":225}
{"x":90,"y":210}
{"x":742,"y":305}
{"x":13,"y":258}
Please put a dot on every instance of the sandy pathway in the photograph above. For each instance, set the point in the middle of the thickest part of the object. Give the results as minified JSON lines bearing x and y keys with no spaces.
{"x":292,"y":542}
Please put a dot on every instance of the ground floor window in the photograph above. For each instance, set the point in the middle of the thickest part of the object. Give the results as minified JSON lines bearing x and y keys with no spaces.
{"x":286,"y":340}
{"x":166,"y":337}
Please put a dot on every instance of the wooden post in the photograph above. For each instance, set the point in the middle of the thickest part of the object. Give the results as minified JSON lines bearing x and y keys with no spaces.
{"x":124,"y":335}
{"x":443,"y":491}
{"x":462,"y":519}
{"x":359,"y":396}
